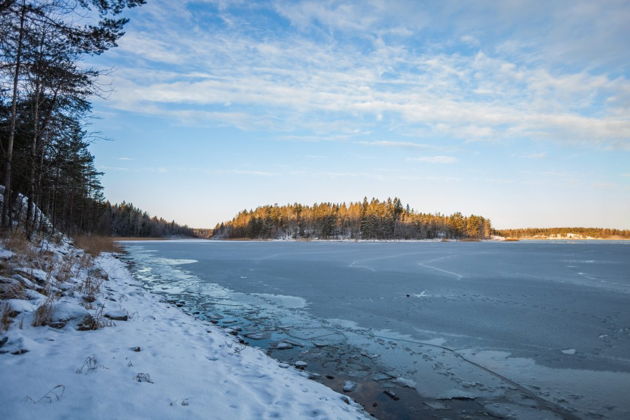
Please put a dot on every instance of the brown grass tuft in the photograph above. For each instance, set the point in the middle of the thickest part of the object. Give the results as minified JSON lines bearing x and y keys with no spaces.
{"x":43,"y":314}
{"x":94,"y":322}
{"x":11,"y":289}
{"x":16,"y":241}
{"x":94,"y":244}
{"x":5,"y":316}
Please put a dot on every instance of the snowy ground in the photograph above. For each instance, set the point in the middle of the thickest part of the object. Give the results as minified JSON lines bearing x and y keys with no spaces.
{"x":145,"y":359}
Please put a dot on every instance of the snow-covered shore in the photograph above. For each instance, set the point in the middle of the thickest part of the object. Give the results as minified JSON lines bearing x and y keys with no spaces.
{"x":145,"y":359}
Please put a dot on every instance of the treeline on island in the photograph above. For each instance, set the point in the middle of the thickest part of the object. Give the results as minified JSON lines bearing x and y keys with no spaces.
{"x":373,"y":219}
{"x":564,"y":233}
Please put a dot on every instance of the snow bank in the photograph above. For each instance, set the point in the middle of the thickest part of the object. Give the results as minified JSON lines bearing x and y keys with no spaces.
{"x":158,"y":363}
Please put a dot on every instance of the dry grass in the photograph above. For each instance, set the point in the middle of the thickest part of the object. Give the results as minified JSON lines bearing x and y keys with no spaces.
{"x":5,"y":316}
{"x":43,"y":314}
{"x":10,"y":289}
{"x":65,"y":271}
{"x":94,"y":244}
{"x":94,"y":322}
{"x":16,"y":241}
{"x":91,"y":285}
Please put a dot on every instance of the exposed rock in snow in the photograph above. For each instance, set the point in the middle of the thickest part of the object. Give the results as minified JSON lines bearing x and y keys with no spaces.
{"x":117,"y":315}
{"x":300,"y":365}
{"x":349,"y":386}
{"x":67,"y":310}
{"x":34,"y":274}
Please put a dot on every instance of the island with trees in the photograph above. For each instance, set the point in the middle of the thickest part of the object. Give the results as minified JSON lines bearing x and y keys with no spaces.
{"x":373,"y":219}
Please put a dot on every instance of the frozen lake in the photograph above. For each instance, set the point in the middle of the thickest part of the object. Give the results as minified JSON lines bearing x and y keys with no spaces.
{"x":526,"y":328}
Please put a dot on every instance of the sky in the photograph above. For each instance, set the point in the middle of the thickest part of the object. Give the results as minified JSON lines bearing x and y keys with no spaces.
{"x":518,"y":111}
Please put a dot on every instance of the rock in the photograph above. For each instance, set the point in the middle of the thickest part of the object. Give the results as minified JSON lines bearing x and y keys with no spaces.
{"x":136,"y":349}
{"x":391,"y":394}
{"x":34,"y":274}
{"x":3,"y":341}
{"x":283,"y":346}
{"x":349,"y":386}
{"x":313,"y":375}
{"x":19,"y":351}
{"x":345,"y":399}
{"x":300,"y":365}
{"x":66,"y":311}
{"x":117,"y":315}
{"x":330,"y":377}
{"x":284,"y":365}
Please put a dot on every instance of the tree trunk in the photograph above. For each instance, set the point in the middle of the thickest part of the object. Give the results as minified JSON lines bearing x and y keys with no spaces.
{"x":6,"y":205}
{"x":31,"y":182}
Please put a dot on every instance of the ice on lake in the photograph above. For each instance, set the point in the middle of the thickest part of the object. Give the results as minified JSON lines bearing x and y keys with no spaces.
{"x":505,"y":322}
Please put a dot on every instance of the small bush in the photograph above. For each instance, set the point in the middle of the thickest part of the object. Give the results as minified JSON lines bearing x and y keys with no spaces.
{"x":91,"y":285}
{"x":43,"y":314}
{"x":94,"y":322}
{"x":65,"y":271}
{"x":94,"y":244}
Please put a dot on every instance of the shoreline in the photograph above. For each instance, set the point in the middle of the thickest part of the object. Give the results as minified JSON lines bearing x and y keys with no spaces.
{"x":140,"y":239}
{"x":143,"y":358}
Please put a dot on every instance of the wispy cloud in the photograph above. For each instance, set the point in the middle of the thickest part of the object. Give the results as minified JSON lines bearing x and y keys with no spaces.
{"x":435,"y":159}
{"x":307,"y":78}
{"x":540,"y":155}
{"x":399,"y":144}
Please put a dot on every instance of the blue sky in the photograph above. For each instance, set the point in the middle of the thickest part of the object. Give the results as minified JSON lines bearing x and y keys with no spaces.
{"x":515,"y":110}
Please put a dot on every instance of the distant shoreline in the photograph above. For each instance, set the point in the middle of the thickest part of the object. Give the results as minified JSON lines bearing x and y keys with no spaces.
{"x":142,"y":239}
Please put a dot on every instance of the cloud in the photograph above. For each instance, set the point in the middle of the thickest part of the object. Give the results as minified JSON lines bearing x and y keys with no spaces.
{"x":400,"y":144}
{"x":306,"y":78}
{"x":540,"y":155}
{"x":435,"y":159}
